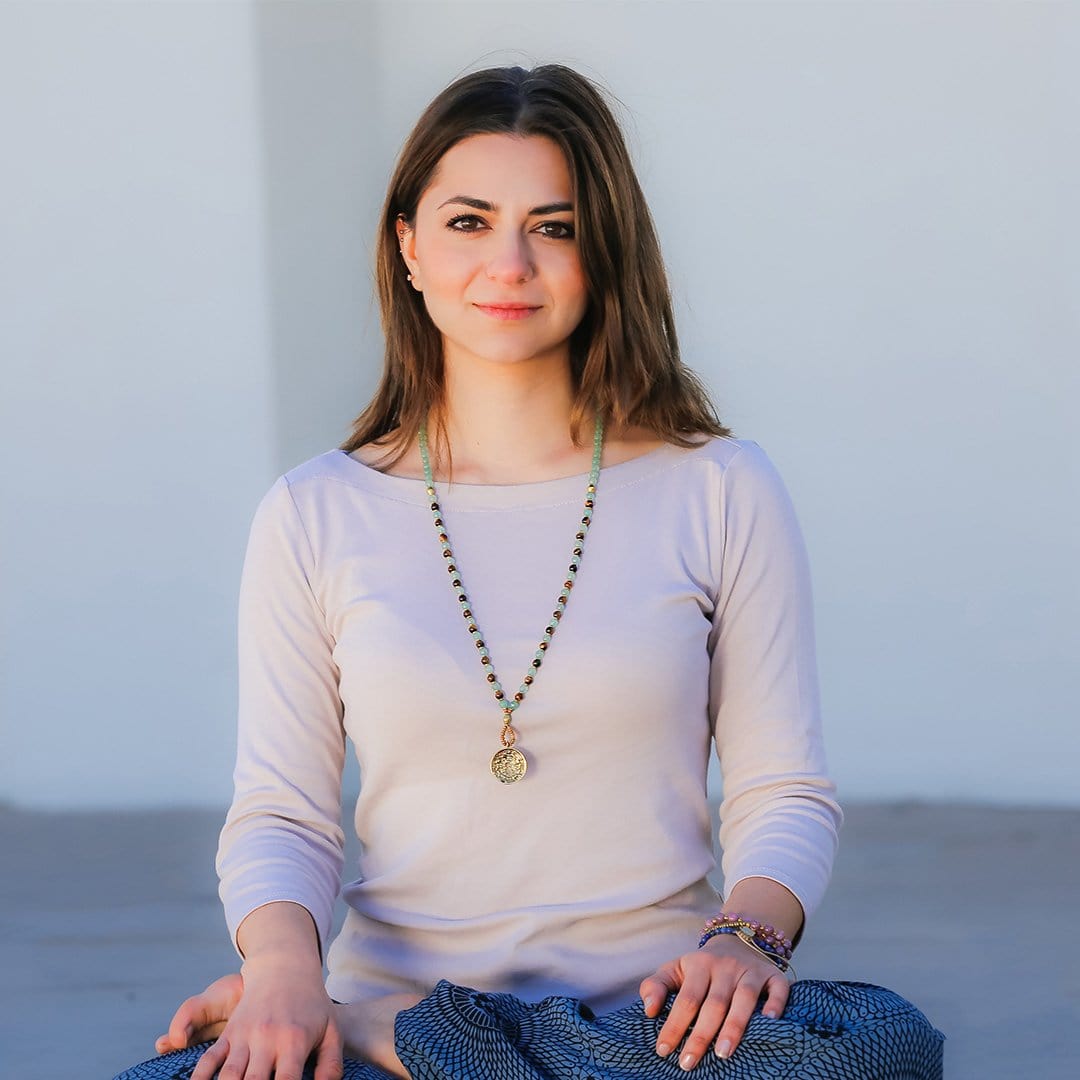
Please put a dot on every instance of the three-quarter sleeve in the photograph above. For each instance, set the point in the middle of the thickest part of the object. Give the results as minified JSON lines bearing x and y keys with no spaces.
{"x":779,"y":818}
{"x":282,"y":838}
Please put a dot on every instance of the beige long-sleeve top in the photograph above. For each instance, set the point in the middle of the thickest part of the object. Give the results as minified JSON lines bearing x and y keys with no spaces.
{"x":689,"y":625}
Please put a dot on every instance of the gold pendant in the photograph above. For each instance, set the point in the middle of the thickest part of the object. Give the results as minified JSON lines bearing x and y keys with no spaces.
{"x":508,"y":765}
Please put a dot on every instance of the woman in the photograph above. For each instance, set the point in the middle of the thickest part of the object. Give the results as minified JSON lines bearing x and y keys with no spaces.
{"x":602,"y":533}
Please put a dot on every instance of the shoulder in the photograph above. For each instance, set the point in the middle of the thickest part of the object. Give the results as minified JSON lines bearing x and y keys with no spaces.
{"x":326,"y":478}
{"x":333,"y":499}
{"x":299,"y":494}
{"x":723,"y":459}
{"x":331,"y":466}
{"x":736,"y":479}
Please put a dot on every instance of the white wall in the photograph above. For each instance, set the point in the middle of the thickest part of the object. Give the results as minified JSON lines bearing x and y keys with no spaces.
{"x":869,"y":216}
{"x":136,"y":427}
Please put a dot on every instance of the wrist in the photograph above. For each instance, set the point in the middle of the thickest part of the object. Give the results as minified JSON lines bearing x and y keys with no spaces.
{"x":768,"y":942}
{"x":281,"y":963}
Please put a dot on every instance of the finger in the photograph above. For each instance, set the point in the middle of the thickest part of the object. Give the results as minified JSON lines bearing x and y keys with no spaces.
{"x":182,"y":1025}
{"x":741,"y":1009}
{"x":236,"y":1065}
{"x":778,"y":989}
{"x":710,"y":1017}
{"x":163,"y":1044}
{"x":687,"y":1002}
{"x":261,"y":1065}
{"x":328,"y":1060}
{"x":197,"y":1016}
{"x":655,"y":989}
{"x":212,"y":1060}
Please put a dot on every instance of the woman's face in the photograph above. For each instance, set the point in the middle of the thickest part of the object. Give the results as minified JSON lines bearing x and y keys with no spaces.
{"x":494,"y":252}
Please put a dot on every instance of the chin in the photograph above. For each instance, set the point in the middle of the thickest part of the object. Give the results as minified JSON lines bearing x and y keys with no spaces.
{"x":509,"y":352}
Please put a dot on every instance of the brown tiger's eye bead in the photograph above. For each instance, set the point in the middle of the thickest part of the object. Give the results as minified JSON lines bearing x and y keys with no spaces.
{"x":447,"y":553}
{"x":480,"y":643}
{"x":536,"y":663}
{"x":577,"y":552}
{"x":556,"y":614}
{"x":528,"y":680}
{"x":551,"y":630}
{"x":439,"y":522}
{"x":486,"y":661}
{"x":467,"y":613}
{"x":573,"y":568}
{"x":543,"y":646}
{"x":499,"y":694}
{"x":456,"y":583}
{"x":568,"y":585}
{"x":589,"y":503}
{"x":579,"y":536}
{"x":444,"y":537}
{"x":473,"y":628}
{"x":519,"y":696}
{"x":435,"y":507}
{"x":491,"y":676}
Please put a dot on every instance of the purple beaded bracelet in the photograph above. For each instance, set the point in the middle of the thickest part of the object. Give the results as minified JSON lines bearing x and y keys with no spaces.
{"x":767,"y":938}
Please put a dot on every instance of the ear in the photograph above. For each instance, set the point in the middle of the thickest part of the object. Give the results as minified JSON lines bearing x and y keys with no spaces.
{"x":406,"y":236}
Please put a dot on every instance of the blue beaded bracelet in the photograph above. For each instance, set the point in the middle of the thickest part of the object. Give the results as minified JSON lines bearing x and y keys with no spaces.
{"x":776,"y":958}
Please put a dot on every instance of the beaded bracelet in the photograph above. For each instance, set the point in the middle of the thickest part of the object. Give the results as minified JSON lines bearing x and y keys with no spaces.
{"x":782,"y":963}
{"x":766,"y":937}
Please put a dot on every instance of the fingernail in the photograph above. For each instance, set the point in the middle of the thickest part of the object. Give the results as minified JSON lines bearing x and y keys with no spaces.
{"x":723,"y":1049}
{"x":687,"y":1061}
{"x":649,"y":1002}
{"x":663,"y":1049}
{"x":769,"y":1014}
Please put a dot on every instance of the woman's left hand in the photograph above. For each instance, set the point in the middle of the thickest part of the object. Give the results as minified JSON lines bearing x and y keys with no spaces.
{"x":717,"y":988}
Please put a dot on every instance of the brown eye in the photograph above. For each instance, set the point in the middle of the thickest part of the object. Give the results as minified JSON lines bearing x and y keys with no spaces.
{"x":464,"y":223}
{"x":556,"y":230}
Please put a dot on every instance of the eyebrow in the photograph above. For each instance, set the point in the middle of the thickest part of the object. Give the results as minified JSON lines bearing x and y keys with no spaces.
{"x":491,"y":208}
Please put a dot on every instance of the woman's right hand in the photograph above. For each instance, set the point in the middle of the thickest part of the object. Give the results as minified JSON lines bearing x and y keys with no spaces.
{"x":282,"y":1017}
{"x":367,"y":1027}
{"x":203,"y":1016}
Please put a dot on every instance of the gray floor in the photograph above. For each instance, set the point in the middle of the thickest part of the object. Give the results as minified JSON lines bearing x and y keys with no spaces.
{"x":108,"y":920}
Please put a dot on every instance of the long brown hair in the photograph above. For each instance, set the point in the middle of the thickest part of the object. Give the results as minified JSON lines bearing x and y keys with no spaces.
{"x":624,"y":355}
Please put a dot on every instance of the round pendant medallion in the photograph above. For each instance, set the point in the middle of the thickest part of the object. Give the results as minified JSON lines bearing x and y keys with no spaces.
{"x":508,"y":765}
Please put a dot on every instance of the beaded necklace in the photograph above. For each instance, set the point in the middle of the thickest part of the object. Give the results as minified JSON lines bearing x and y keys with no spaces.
{"x":508,"y":765}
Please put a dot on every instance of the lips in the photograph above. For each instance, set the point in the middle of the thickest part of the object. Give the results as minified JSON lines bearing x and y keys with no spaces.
{"x":507,"y":312}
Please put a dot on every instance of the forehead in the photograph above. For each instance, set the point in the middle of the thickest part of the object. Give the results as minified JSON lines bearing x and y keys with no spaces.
{"x":502,"y":168}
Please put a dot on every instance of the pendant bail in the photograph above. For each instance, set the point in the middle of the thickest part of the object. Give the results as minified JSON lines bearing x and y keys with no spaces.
{"x":508,"y":736}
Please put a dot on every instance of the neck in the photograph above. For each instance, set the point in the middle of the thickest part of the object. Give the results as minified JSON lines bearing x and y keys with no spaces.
{"x":510,"y":424}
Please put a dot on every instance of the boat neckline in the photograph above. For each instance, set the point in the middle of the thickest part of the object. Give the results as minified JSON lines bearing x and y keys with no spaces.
{"x":534,"y":493}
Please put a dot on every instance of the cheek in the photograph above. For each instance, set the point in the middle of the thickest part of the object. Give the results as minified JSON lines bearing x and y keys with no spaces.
{"x":444,"y":264}
{"x":575,"y":289}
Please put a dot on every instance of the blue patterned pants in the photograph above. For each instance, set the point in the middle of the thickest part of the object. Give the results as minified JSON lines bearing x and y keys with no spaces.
{"x":829,"y":1031}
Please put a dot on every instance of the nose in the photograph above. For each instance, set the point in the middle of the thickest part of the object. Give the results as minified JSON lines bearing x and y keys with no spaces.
{"x":511,"y":260}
